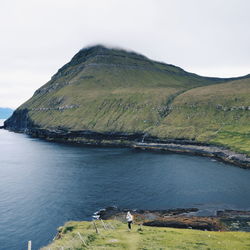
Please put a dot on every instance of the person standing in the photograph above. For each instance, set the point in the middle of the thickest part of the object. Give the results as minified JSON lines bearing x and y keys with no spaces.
{"x":129,"y":218}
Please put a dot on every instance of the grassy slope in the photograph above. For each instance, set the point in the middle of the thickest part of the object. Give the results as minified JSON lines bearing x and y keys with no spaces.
{"x":150,"y":238}
{"x":112,"y":90}
{"x":215,"y":114}
{"x":116,"y":91}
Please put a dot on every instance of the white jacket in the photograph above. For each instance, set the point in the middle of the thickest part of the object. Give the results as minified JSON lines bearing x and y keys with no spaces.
{"x":129,"y":217}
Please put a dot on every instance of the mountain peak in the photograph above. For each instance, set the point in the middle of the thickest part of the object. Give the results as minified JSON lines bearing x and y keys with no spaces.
{"x":103,"y":50}
{"x":100,"y":54}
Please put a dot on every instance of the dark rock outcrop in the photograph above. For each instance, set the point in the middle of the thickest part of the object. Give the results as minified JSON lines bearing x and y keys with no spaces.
{"x":200,"y":223}
{"x":19,"y":121}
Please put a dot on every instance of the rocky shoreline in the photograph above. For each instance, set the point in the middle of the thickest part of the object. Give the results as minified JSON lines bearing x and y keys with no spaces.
{"x":225,"y":155}
{"x":226,"y":220}
{"x":137,"y":141}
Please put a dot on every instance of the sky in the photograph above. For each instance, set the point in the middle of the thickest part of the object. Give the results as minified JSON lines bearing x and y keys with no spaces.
{"x":207,"y":37}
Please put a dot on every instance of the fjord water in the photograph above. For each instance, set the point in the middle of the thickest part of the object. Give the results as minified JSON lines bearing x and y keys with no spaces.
{"x":45,"y":184}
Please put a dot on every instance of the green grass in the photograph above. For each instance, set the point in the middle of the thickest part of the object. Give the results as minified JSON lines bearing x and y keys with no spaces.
{"x":129,"y":110}
{"x":238,"y":140}
{"x":212,"y":114}
{"x":149,"y":238}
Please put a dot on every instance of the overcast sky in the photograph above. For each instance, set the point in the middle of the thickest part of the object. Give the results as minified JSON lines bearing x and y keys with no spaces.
{"x":208,"y":37}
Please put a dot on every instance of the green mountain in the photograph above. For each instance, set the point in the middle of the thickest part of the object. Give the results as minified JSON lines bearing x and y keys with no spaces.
{"x":103,"y":90}
{"x":5,"y":113}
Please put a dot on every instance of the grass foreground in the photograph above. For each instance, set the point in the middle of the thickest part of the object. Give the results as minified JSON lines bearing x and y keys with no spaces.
{"x":115,"y":235}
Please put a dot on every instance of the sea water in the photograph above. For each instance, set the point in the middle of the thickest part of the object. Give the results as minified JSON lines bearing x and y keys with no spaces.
{"x":44,"y":184}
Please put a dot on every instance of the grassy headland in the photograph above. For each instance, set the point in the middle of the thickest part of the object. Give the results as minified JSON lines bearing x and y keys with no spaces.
{"x":147,"y":238}
{"x":110,"y":90}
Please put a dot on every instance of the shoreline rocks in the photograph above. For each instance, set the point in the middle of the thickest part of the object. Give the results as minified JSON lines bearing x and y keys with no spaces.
{"x":112,"y":212}
{"x":140,"y":141}
{"x":227,"y":220}
{"x":203,"y":150}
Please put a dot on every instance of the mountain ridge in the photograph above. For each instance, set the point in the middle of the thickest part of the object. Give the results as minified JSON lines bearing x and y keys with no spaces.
{"x":92,"y":51}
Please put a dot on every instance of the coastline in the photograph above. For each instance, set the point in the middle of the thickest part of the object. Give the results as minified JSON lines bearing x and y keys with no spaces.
{"x":138,"y":141}
{"x":158,"y":227}
{"x":216,"y":152}
{"x":113,"y":234}
{"x":189,"y":218}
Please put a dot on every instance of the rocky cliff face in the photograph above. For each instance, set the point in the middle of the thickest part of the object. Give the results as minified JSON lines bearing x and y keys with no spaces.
{"x":19,"y":121}
{"x":116,"y":92}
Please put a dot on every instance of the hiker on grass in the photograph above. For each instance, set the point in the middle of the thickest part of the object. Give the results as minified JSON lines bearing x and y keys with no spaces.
{"x":129,"y":219}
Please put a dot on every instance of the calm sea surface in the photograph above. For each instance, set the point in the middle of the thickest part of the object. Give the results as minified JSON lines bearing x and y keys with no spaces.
{"x":43,"y":185}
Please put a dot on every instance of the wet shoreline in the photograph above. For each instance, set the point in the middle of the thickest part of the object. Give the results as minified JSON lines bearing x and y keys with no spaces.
{"x":138,"y":141}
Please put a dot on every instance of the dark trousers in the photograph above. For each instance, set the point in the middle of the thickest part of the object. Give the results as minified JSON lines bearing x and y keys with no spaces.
{"x":129,"y":224}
